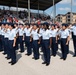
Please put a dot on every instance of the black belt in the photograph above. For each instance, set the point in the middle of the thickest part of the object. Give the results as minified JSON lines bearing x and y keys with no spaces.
{"x":53,"y":37}
{"x":35,"y":40}
{"x":6,"y":38}
{"x":63,"y":38}
{"x":45,"y":39}
{"x":20,"y":36}
{"x":74,"y":35}
{"x":27,"y":36}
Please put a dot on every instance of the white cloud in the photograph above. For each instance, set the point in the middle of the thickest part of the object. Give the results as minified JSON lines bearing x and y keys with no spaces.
{"x":68,"y":2}
{"x":65,"y":1}
{"x":64,"y":9}
{"x":74,"y":3}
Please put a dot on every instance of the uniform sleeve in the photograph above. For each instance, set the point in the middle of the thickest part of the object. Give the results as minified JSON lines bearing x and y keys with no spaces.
{"x":50,"y":34}
{"x":8,"y":32}
{"x":14,"y":34}
{"x":25,"y":30}
{"x":39,"y":35}
{"x":59,"y":32}
{"x":68,"y":33}
{"x":31,"y":32}
{"x":72,"y":28}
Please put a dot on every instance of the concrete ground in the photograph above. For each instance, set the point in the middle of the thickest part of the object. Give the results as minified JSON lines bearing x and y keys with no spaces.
{"x":28,"y":66}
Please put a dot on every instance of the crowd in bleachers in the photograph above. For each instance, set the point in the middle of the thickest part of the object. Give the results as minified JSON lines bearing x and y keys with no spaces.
{"x":13,"y":16}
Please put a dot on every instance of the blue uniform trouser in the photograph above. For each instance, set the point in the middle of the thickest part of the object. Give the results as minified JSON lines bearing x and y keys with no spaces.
{"x":12,"y":51}
{"x":64,"y":48}
{"x":54,"y":46}
{"x":21,"y":43}
{"x":74,"y":42}
{"x":5,"y":45}
{"x":0,"y":43}
{"x":17,"y":42}
{"x":28,"y":43}
{"x":36,"y":49}
{"x":41,"y":44}
{"x":25,"y":40}
{"x":68,"y":49}
{"x":2,"y":37}
{"x":46,"y":50}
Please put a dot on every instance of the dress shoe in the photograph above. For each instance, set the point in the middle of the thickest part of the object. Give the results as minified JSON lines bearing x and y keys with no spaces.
{"x":8,"y":58}
{"x":4,"y":53}
{"x":21,"y":51}
{"x":54,"y":55}
{"x":33,"y":58}
{"x":47,"y":64}
{"x":10,"y":62}
{"x":28,"y":54}
{"x":13,"y":63}
{"x":74,"y":55}
{"x":61,"y":58}
{"x":64,"y":59}
{"x":1,"y":50}
{"x":36,"y":58}
{"x":44,"y":63}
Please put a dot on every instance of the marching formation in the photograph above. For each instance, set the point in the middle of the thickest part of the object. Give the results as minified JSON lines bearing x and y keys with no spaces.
{"x":44,"y":36}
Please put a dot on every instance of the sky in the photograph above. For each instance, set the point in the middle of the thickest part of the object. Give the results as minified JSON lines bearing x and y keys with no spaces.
{"x":62,"y":7}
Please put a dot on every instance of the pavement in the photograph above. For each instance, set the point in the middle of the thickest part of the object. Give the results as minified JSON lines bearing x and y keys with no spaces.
{"x":28,"y":66}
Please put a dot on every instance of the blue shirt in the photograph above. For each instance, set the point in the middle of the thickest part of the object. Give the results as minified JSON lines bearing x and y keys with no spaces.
{"x":53,"y":32}
{"x":16,"y":30}
{"x":74,"y":30}
{"x":46,"y":35}
{"x":63,"y":34}
{"x":28,"y":32}
{"x":41,"y":31}
{"x":21,"y":31}
{"x":35,"y":35}
{"x":7,"y":33}
{"x":12,"y":34}
{"x":2,"y":32}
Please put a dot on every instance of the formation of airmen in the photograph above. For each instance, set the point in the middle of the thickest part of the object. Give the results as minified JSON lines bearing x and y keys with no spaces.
{"x":43,"y":36}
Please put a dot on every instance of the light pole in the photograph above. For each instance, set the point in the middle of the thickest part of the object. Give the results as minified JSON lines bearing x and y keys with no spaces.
{"x":38,"y":8}
{"x":54,"y":11}
{"x":29,"y":10}
{"x":17,"y":7}
{"x":71,"y":11}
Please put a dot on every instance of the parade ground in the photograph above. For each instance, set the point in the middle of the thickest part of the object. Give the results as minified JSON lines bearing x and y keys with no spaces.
{"x":28,"y":66}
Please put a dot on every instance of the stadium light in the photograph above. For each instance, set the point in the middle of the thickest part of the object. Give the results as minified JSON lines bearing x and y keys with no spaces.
{"x":29,"y":10}
{"x":38,"y":8}
{"x":54,"y":11}
{"x":17,"y":7}
{"x":71,"y":11}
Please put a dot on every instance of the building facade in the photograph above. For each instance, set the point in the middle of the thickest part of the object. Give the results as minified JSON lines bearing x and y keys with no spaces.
{"x":67,"y":18}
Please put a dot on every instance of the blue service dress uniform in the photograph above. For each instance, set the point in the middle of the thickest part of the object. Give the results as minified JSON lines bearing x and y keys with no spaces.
{"x":2,"y":37}
{"x":46,"y":45}
{"x":35,"y":36}
{"x":25,"y":35}
{"x":41,"y":31}
{"x":6,"y":47}
{"x":68,"y":44}
{"x":64,"y":34}
{"x":27,"y":39}
{"x":17,"y":38}
{"x":54,"y":45}
{"x":12,"y":51}
{"x":0,"y":40}
{"x":74,"y":38}
{"x":21,"y":39}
